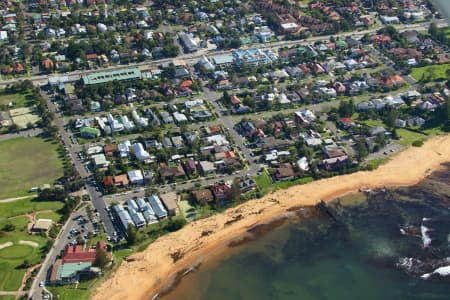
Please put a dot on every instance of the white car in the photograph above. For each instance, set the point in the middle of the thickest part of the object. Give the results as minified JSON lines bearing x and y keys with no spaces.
{"x":41,"y":284}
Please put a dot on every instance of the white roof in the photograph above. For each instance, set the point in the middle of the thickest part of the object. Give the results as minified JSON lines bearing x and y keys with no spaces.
{"x":217,"y":139}
{"x":286,"y":26}
{"x":94,"y":150}
{"x":303,"y":163}
{"x":135,"y":176}
{"x":180,"y":117}
{"x":313,"y":141}
{"x":99,"y":159}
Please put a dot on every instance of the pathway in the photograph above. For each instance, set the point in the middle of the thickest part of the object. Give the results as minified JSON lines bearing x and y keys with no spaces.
{"x":24,"y":133}
{"x":14,"y":199}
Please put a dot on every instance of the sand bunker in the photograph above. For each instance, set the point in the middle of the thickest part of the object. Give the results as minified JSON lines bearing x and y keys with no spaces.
{"x":29,"y":243}
{"x":5,"y":245}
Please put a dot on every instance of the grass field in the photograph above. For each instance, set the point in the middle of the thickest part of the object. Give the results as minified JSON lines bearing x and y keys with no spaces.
{"x":430,"y":73}
{"x":68,"y":293}
{"x":49,"y":215}
{"x":19,"y":100}
{"x":12,"y":257}
{"x":20,"y":207}
{"x":407,"y":137}
{"x":263,"y":182}
{"x":25,"y":163}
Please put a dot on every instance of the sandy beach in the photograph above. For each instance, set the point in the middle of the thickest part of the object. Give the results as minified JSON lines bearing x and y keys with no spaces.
{"x":145,"y":273}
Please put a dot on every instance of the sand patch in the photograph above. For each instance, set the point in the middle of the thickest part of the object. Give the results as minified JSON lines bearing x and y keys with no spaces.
{"x":29,"y":243}
{"x":6,"y":245}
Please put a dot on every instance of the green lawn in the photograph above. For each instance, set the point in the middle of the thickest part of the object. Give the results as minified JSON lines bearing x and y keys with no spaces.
{"x":10,"y":278}
{"x":25,"y":163}
{"x":19,"y":100}
{"x":16,"y":252}
{"x":12,"y":257}
{"x":49,"y":215}
{"x":263,"y":182}
{"x":430,"y":73}
{"x":407,"y":137}
{"x":68,"y":293}
{"x":20,"y":207}
{"x":371,"y":123}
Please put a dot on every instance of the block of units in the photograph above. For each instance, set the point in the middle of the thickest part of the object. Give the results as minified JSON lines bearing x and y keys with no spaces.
{"x":157,"y":206}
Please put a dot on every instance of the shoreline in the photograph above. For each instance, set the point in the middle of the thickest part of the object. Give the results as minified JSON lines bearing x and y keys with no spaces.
{"x":152,"y":271}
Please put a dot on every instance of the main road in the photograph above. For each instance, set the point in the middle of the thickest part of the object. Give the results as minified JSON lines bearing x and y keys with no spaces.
{"x":193,"y":58}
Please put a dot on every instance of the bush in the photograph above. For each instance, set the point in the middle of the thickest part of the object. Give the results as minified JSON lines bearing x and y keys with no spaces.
{"x":9,"y":227}
{"x":418,"y":143}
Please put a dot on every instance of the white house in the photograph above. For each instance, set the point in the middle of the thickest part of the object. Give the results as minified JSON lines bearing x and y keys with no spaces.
{"x":136,"y":177}
{"x":3,"y":35}
{"x":124,"y":148}
{"x":140,"y":152}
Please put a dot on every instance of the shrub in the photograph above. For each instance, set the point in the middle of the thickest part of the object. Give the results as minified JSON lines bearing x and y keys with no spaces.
{"x":418,"y":143}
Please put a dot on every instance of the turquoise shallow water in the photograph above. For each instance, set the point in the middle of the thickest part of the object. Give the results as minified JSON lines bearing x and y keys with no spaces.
{"x":354,"y":258}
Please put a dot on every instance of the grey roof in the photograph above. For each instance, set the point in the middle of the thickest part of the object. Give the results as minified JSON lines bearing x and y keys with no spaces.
{"x":157,"y":206}
{"x":124,"y":216}
{"x":137,"y":217}
{"x":132,"y":204}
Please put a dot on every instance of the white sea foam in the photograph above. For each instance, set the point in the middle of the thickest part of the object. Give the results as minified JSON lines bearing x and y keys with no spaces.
{"x":443,"y":271}
{"x":406,"y":262}
{"x":425,"y":237}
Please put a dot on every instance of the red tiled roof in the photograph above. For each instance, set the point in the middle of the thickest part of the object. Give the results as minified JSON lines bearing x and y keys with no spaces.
{"x":346,"y":120}
{"x":235,"y":100}
{"x":108,"y":180}
{"x":77,"y":254}
{"x":186,"y":83}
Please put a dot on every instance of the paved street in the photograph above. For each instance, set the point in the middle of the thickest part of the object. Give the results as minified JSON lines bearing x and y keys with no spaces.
{"x":193,"y":58}
{"x":23,"y":133}
{"x":73,"y":150}
{"x":60,"y":243}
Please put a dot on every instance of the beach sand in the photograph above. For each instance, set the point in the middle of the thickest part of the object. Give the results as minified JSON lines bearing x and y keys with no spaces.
{"x":147,"y":272}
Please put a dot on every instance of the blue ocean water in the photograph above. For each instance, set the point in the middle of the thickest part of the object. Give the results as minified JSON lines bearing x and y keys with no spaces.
{"x":377,"y":249}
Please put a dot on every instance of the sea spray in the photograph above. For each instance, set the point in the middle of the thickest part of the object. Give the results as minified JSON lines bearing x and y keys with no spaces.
{"x":425,"y":237}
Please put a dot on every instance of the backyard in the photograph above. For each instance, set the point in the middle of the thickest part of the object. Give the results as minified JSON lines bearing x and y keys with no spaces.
{"x":430,"y":73}
{"x":26,"y":163}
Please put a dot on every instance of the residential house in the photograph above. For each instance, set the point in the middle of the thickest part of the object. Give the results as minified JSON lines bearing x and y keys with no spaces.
{"x":207,"y":167}
{"x":169,"y":173}
{"x":136,"y":177}
{"x":170,"y":201}
{"x":284,"y":172}
{"x":202,"y":196}
{"x":220,"y":191}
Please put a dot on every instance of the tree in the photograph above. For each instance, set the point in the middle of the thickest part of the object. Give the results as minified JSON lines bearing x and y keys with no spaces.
{"x":14,"y":128}
{"x":390,"y":118}
{"x":175,"y":224}
{"x":235,"y":190}
{"x":9,"y":227}
{"x":132,"y":235}
{"x":80,"y":240}
{"x":101,"y":258}
{"x":361,"y":149}
{"x":26,"y":264}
